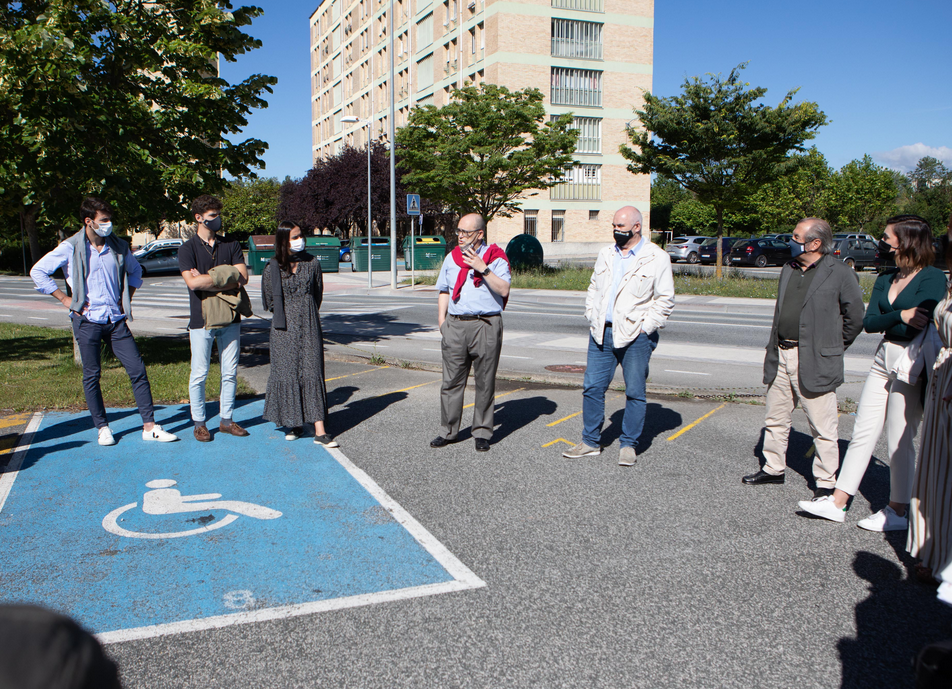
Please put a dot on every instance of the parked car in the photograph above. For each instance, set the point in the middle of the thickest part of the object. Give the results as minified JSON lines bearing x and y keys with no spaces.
{"x":163,"y":259}
{"x":853,"y":235}
{"x":158,"y":244}
{"x":708,"y":251}
{"x":345,"y":250}
{"x":856,"y":253}
{"x":778,"y":237}
{"x":685,"y":248}
{"x":760,"y":252}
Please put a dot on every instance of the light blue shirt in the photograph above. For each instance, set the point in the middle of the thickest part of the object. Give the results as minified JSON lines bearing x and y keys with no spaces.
{"x":102,"y":284}
{"x":477,"y":301}
{"x":621,"y":262}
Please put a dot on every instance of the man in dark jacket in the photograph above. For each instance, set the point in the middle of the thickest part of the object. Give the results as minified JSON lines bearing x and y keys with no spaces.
{"x":819,"y":313}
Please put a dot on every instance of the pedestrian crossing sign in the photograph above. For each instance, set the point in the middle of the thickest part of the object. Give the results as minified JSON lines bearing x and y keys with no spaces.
{"x":413,"y":204}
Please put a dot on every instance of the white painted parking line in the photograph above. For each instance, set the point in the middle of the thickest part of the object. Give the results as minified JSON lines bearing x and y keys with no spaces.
{"x":690,"y":373}
{"x":513,"y":356}
{"x":37,"y":318}
{"x":432,"y":350}
{"x":369,"y":344}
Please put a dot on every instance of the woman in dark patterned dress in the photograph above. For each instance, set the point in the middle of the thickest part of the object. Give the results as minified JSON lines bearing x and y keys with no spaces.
{"x":292,"y":287}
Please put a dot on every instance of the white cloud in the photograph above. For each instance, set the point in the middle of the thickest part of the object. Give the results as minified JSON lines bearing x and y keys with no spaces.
{"x":905,"y":158}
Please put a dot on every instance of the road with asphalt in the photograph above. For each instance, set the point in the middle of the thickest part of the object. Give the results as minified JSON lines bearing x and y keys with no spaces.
{"x":710,"y":345}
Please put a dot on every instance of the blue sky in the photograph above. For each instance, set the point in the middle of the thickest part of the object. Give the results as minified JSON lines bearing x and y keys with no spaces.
{"x":877,"y":68}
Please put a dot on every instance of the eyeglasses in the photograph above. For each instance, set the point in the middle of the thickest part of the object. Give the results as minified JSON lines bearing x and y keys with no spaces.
{"x":465,"y":232}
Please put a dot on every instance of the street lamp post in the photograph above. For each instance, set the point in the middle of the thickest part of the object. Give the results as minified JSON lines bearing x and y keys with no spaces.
{"x":350,"y":119}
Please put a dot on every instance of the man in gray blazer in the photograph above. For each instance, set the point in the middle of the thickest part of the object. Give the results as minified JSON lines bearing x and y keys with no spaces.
{"x":819,"y":313}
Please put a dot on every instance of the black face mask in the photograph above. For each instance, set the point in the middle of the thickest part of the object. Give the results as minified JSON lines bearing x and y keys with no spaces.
{"x":622,"y":238}
{"x":884,"y":248}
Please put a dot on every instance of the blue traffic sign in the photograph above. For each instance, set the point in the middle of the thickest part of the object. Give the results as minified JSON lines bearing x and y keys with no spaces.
{"x":413,"y":204}
{"x":141,"y":540}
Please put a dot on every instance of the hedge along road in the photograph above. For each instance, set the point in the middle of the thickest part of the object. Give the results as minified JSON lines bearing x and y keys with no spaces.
{"x":670,"y":573}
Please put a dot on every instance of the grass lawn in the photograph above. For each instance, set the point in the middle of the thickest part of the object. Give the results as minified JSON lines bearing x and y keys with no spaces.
{"x":39,"y":373}
{"x":733,"y":286}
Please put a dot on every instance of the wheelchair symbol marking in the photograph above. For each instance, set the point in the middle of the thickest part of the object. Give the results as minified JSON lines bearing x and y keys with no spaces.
{"x":164,"y":499}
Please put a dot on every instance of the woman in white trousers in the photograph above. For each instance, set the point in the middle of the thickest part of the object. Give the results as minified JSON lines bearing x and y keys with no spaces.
{"x":900,"y":307}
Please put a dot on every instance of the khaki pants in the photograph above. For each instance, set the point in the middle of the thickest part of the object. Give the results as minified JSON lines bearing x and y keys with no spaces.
{"x":466,"y":344}
{"x":782,"y":397}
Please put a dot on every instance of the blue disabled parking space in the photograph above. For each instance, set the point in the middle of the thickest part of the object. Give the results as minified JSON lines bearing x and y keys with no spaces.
{"x":145,"y":538}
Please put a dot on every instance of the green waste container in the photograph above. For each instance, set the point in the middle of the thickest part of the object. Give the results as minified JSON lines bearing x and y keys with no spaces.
{"x":327,"y":250}
{"x":379,"y":254}
{"x":260,"y":251}
{"x":428,"y":252}
{"x":524,"y":251}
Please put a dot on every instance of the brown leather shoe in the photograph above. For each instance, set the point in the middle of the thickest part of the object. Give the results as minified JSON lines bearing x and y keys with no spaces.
{"x":202,"y":435}
{"x":233,"y":429}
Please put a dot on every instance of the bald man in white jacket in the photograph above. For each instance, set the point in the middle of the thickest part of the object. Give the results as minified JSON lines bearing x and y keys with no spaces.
{"x":630,"y":297}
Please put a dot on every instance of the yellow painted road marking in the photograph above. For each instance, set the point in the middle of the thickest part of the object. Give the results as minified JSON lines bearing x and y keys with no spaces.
{"x":559,"y":440}
{"x":473,"y":404}
{"x":556,"y":423}
{"x":378,"y":368}
{"x":690,"y":426}
{"x":15,"y":420}
{"x":412,"y":387}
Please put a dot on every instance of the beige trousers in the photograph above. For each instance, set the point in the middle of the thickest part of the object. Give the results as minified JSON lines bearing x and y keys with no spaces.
{"x":782,"y":397}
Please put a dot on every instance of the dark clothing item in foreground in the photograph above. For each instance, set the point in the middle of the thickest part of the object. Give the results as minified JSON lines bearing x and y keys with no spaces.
{"x":40,"y":649}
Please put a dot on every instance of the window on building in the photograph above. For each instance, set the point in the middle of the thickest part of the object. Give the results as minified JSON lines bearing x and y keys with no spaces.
{"x":583,"y":5}
{"x":558,"y":226}
{"x":424,"y":31}
{"x":580,"y":183}
{"x":446,"y":13}
{"x":472,"y":40}
{"x":589,"y":133}
{"x":335,"y":11}
{"x":575,"y":39}
{"x":530,"y":223}
{"x":593,"y":215}
{"x":576,"y":86}
{"x":337,"y":122}
{"x":425,"y":71}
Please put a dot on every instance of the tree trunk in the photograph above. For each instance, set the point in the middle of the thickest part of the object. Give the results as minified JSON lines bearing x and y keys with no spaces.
{"x":28,"y":218}
{"x":720,"y":248}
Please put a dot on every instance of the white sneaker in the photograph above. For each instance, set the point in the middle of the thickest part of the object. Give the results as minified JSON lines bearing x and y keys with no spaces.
{"x":105,"y":436}
{"x":159,"y":435}
{"x":581,"y":450}
{"x":292,"y":434}
{"x":823,"y":507}
{"x":884,"y":520}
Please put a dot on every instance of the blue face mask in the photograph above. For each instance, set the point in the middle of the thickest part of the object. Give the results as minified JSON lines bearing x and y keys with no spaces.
{"x":796,"y":248}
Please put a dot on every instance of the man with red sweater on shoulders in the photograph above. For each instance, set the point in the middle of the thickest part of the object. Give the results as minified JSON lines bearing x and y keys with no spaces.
{"x":474,"y":287}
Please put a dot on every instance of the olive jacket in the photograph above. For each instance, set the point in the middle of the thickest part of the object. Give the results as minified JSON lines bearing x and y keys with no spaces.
{"x":831,"y":318}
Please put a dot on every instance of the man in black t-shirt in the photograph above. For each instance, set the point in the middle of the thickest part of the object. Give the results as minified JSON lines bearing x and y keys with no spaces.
{"x":196,"y":257}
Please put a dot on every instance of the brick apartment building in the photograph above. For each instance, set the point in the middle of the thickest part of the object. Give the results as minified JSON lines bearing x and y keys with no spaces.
{"x":592,"y":58}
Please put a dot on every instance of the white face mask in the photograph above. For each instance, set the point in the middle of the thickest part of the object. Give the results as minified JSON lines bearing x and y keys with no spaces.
{"x":104,"y":229}
{"x":297,"y":244}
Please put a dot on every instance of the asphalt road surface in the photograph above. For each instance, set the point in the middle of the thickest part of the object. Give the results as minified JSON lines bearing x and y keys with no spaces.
{"x":668,"y":574}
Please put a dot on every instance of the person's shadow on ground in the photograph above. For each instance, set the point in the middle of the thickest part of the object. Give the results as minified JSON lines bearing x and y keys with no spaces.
{"x":514,"y":415}
{"x":897,"y":619}
{"x":658,"y":420}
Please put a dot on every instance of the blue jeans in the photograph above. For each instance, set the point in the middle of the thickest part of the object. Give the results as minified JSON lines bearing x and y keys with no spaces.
{"x":201,"y":342}
{"x":602,"y":360}
{"x":89,"y":337}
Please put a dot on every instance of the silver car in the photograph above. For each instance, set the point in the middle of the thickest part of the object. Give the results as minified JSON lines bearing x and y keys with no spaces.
{"x":685,"y":248}
{"x":161,"y":260}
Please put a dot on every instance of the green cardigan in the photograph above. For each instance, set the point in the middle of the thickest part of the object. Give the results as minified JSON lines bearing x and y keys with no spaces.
{"x":926,"y":289}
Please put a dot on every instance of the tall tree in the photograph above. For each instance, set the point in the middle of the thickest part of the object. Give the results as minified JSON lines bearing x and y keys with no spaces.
{"x":718,"y":141}
{"x":665,"y":194}
{"x":484,"y":149}
{"x":931,"y":193}
{"x":250,"y":206}
{"x":122,"y":100}
{"x":802,"y":192}
{"x":860,"y":194}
